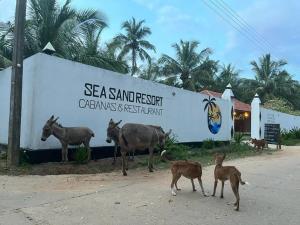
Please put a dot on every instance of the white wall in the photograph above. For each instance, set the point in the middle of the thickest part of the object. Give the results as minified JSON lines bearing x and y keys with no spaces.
{"x":285,"y":120}
{"x":269,"y":116}
{"x":56,"y":86}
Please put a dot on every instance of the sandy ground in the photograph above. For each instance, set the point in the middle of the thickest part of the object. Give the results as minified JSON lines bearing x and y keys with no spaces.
{"x":273,"y":197}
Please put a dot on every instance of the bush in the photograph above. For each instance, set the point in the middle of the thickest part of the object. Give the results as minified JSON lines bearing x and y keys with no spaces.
{"x":24,"y":157}
{"x":81,"y":155}
{"x":176,"y":151}
{"x":239,"y":147}
{"x":238,"y":137}
{"x":208,"y":144}
{"x":291,"y":134}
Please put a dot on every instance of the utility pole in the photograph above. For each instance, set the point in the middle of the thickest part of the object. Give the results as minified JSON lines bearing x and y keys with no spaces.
{"x":13,"y":151}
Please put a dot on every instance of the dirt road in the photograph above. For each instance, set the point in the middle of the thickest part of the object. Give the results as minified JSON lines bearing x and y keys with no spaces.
{"x":273,"y":197}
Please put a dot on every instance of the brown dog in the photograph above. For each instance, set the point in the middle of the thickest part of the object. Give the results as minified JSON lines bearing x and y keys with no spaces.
{"x":230,"y":173}
{"x":188,"y":169}
{"x":259,"y":144}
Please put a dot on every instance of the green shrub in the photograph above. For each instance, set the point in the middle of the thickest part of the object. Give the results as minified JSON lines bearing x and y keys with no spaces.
{"x":81,"y":155}
{"x":238,"y":137}
{"x":24,"y":157}
{"x":239,"y":147}
{"x":208,"y":144}
{"x":176,"y":151}
{"x":291,"y":134}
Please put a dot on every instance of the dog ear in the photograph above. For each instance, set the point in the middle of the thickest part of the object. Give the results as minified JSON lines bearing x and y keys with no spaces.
{"x":224,"y":155}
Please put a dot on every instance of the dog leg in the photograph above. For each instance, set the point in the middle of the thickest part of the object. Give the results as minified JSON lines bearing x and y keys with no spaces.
{"x":215,"y":187}
{"x":194,"y":189}
{"x":235,"y":189}
{"x":174,"y":182}
{"x":200,"y":183}
{"x":178,"y":189}
{"x":222,"y":190}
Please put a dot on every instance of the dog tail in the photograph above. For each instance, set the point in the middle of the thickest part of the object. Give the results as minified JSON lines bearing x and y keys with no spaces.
{"x":240,"y":179}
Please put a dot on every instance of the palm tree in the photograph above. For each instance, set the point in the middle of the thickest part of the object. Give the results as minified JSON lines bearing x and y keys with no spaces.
{"x":205,"y":76}
{"x":5,"y":45}
{"x":266,"y":70}
{"x":151,"y":72}
{"x":186,"y":63}
{"x":133,"y":42}
{"x":227,"y":75}
{"x":47,"y":23}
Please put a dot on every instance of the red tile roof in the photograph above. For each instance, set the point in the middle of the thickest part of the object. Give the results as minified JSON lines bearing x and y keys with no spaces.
{"x":238,"y":105}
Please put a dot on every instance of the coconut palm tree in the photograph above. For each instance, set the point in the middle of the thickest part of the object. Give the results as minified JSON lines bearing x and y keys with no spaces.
{"x":5,"y":45}
{"x":133,"y":42}
{"x":228,"y":74}
{"x":186,"y":62}
{"x":266,"y":70}
{"x":205,"y":76}
{"x":151,"y":71}
{"x":86,"y":49}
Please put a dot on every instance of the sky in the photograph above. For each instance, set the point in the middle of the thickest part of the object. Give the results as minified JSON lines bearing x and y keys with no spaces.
{"x":273,"y":27}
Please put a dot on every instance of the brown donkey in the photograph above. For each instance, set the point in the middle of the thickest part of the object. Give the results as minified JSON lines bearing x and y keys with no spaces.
{"x":230,"y":173}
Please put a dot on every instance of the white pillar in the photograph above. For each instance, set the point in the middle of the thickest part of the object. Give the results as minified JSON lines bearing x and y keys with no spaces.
{"x":229,"y":96}
{"x":255,"y":117}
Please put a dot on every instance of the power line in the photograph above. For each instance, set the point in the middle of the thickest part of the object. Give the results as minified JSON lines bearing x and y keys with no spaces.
{"x":244,"y":22}
{"x":237,"y":22}
{"x":255,"y":44}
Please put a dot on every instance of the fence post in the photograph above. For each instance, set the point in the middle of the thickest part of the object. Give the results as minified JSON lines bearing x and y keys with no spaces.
{"x":229,"y":96}
{"x":255,"y":118}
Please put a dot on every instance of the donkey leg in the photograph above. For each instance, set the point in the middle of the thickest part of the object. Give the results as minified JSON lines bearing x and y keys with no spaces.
{"x":123,"y":162}
{"x":63,"y":154}
{"x":66,"y":153}
{"x":115,"y":154}
{"x":87,"y":146}
{"x":150,"y":162}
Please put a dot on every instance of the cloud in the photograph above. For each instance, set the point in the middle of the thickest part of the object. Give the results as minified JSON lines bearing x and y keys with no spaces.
{"x":277,"y":22}
{"x":176,"y":20}
{"x":150,"y":4}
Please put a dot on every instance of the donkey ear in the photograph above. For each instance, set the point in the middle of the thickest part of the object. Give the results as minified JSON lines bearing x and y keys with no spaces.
{"x":118,"y":122}
{"x":168,"y":134}
{"x":55,"y":119}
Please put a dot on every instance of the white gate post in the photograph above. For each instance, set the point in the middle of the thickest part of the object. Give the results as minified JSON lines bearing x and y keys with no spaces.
{"x":229,"y":96}
{"x":255,"y":117}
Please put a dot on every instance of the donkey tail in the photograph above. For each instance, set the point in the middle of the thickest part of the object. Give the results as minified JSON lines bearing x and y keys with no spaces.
{"x":163,"y":155}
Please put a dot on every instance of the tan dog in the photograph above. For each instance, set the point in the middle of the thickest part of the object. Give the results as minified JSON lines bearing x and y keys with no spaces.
{"x":188,"y":169}
{"x":259,"y":144}
{"x":230,"y":173}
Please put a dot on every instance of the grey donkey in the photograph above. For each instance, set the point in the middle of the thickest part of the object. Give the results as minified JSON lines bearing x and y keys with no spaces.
{"x":139,"y":137}
{"x":68,"y":136}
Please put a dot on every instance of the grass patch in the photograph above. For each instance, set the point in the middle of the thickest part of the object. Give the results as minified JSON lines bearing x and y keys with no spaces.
{"x":291,"y":142}
{"x":203,"y":155}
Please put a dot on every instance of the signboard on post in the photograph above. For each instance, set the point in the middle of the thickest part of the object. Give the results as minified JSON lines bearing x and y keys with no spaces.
{"x":272,"y":132}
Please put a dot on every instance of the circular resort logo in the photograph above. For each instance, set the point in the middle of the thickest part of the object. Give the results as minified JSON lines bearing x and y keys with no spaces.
{"x":214,"y":116}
